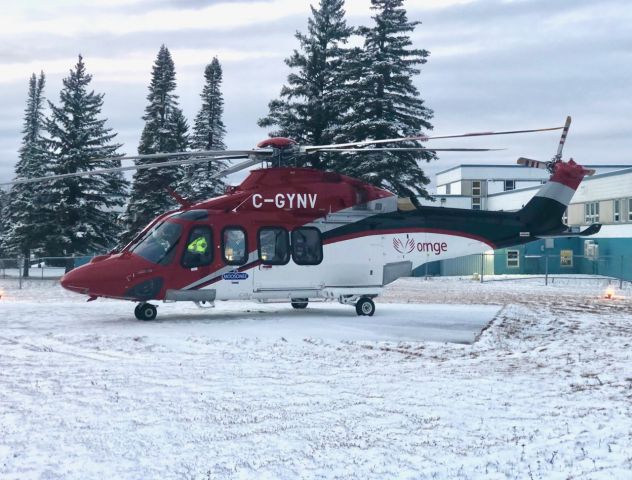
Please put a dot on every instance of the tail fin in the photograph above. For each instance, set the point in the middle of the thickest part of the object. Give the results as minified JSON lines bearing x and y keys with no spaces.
{"x":543,"y":214}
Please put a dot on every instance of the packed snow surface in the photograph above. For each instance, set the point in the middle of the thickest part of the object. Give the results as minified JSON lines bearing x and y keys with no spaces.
{"x":262,"y":391}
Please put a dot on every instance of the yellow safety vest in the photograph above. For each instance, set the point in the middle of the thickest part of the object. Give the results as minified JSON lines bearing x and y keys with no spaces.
{"x":199,"y":245}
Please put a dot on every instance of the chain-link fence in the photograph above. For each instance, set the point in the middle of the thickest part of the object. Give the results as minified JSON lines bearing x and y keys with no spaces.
{"x":487,"y":266}
{"x":38,"y":268}
{"x":510,"y":265}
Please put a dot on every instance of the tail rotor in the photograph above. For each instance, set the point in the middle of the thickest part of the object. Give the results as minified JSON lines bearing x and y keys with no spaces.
{"x":551,"y":165}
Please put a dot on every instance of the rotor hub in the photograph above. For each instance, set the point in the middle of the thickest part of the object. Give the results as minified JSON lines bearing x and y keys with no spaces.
{"x":280,"y":143}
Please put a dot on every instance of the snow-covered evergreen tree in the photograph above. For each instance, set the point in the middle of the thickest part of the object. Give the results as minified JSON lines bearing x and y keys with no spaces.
{"x":27,"y":215}
{"x":165,"y":131}
{"x":385,"y":103}
{"x":309,"y":108}
{"x":85,"y":217}
{"x":208,"y":134}
{"x":3,"y":222}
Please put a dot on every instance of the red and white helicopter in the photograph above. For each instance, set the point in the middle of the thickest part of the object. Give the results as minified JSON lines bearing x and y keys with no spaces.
{"x":297,"y":234}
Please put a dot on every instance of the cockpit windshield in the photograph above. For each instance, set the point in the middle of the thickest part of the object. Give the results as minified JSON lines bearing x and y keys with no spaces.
{"x":159,"y":244}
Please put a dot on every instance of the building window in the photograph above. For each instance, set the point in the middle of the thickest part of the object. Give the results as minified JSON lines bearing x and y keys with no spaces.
{"x":591,"y":212}
{"x":234,"y":246}
{"x":448,"y":189}
{"x":476,"y":203}
{"x":476,"y":188}
{"x":616,"y":209}
{"x":513,"y":258}
{"x":629,"y":209}
{"x":510,"y":185}
{"x":307,"y":246}
{"x":566,"y":258}
{"x":274,"y":246}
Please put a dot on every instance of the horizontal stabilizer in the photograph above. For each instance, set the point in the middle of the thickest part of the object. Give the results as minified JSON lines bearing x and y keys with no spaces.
{"x":591,"y":230}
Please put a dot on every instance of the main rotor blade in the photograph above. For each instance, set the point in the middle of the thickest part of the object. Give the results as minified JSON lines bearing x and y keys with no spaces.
{"x":421,"y":138}
{"x":195,"y":153}
{"x":374,"y":150}
{"x":171,"y":163}
{"x":236,"y":168}
{"x":485,"y":134}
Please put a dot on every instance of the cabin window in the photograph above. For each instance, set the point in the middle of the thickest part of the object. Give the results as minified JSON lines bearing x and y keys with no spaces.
{"x":198,"y":250}
{"x":159,"y":244}
{"x":510,"y":185}
{"x":476,"y":203}
{"x":234,"y":246}
{"x":513,"y":258}
{"x":630,"y":209}
{"x":274,"y":246}
{"x":307,"y":246}
{"x":616,"y":209}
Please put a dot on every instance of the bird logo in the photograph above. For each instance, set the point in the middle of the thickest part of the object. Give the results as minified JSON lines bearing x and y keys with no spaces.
{"x":404,"y":247}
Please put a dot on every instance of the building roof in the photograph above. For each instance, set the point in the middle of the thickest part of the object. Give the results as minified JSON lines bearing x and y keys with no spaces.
{"x":500,"y":165}
{"x":624,"y":171}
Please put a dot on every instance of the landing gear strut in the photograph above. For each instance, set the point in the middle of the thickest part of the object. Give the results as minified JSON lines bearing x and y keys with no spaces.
{"x":365,"y":306}
{"x":145,"y":311}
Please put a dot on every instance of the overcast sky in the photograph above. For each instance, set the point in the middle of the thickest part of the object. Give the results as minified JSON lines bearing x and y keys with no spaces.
{"x":493,"y":65}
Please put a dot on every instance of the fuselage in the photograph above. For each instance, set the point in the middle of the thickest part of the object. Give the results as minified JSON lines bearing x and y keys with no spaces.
{"x":291,"y":233}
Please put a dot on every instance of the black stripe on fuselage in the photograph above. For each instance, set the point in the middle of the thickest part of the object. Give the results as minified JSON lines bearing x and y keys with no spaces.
{"x":498,"y":229}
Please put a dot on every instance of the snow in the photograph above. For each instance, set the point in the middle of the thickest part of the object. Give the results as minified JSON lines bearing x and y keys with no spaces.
{"x":252,"y":390}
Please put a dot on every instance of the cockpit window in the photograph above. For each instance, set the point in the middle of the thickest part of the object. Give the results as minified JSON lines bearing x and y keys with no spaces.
{"x":196,"y":215}
{"x":159,"y":244}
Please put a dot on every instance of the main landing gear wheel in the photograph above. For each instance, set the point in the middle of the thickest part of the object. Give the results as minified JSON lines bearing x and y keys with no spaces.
{"x":299,"y":303}
{"x":365,"y":306}
{"x":145,"y":311}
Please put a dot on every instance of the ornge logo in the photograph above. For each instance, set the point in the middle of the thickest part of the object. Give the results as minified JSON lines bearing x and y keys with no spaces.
{"x":408,"y":247}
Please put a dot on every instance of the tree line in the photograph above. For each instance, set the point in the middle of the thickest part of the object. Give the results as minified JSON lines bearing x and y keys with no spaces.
{"x":335,"y":93}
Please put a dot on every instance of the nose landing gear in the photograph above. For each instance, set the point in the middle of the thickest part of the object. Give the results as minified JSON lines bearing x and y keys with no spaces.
{"x":145,"y":311}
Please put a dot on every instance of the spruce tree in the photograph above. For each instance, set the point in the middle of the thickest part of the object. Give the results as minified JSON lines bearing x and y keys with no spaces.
{"x":385,"y":103}
{"x":309,"y":107}
{"x":208,"y":134}
{"x":85,"y":217}
{"x":26,"y":216}
{"x":3,"y":222}
{"x":165,"y":131}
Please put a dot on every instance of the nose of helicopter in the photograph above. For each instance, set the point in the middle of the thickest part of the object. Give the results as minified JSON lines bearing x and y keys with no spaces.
{"x":100,"y":277}
{"x":81,"y":279}
{"x":118,"y":276}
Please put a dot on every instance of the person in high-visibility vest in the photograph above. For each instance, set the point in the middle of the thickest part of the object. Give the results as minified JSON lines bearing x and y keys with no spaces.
{"x":199,"y":245}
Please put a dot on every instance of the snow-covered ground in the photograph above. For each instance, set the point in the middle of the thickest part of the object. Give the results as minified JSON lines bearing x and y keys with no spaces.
{"x":261,"y":391}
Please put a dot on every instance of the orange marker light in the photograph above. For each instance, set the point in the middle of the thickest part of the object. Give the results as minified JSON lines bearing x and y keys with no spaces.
{"x":609,"y":293}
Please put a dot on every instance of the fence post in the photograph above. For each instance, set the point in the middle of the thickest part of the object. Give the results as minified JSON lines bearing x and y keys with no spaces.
{"x":482,"y":266}
{"x":546,"y":269}
{"x":20,"y":272}
{"x":621,"y":274}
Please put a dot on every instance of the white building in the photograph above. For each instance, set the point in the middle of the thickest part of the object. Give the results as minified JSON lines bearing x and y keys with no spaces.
{"x":605,"y":197}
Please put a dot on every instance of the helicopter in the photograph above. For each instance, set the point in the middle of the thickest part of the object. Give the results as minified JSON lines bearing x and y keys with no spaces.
{"x":300,"y":234}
